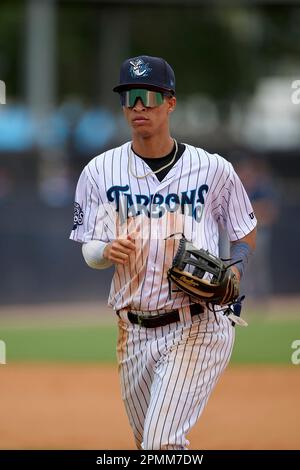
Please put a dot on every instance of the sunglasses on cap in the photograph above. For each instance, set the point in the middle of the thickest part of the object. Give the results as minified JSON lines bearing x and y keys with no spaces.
{"x":149,"y":98}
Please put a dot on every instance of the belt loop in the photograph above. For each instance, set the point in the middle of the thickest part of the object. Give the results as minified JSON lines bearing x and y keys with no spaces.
{"x":122,"y":314}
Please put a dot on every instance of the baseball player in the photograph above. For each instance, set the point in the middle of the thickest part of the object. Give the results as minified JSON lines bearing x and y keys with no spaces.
{"x":131,"y":202}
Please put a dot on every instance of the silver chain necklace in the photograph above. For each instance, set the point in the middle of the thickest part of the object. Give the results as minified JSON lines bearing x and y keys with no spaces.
{"x":150,"y":172}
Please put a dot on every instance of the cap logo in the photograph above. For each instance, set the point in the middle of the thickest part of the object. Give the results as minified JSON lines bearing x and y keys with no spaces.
{"x":138,"y":68}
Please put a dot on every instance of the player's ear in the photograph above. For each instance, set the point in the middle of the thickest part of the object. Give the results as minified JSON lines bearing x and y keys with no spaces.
{"x":172,"y":104}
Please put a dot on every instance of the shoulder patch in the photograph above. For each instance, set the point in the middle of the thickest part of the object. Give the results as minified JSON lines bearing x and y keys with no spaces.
{"x":78,"y":215}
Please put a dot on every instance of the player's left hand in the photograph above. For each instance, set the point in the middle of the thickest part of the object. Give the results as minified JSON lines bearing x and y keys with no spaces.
{"x":221,"y":288}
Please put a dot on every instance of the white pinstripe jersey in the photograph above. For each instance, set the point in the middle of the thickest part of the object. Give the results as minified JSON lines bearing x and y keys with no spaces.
{"x":200,"y":191}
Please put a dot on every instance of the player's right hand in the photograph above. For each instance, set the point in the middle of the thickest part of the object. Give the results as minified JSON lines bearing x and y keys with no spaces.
{"x":119,"y":250}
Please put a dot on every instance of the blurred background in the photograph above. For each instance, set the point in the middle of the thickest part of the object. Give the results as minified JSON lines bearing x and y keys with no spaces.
{"x":236,"y":68}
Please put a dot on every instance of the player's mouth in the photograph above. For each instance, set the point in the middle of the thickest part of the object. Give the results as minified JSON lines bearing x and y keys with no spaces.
{"x":140,"y":120}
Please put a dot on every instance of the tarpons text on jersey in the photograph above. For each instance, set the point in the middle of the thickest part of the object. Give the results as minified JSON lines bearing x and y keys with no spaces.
{"x":188,"y":202}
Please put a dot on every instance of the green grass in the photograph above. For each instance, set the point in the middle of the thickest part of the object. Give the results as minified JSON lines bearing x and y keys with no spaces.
{"x":74,"y":344}
{"x":265,"y":341}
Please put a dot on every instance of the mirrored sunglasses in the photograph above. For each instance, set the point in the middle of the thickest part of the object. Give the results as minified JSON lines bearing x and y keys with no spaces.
{"x":149,"y":98}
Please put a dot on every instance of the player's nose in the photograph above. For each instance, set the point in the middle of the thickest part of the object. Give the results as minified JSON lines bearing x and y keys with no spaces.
{"x":139,"y":105}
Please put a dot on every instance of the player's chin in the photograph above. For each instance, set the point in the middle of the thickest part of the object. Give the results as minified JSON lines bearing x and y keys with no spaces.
{"x":142,"y":131}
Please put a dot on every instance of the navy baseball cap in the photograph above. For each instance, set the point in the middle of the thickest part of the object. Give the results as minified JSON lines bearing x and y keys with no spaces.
{"x":144,"y":71}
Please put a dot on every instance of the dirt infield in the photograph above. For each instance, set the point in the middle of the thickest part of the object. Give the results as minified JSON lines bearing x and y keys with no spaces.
{"x":79,"y":407}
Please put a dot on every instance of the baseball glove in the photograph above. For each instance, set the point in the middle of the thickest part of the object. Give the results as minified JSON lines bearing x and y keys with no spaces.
{"x":203,"y":276}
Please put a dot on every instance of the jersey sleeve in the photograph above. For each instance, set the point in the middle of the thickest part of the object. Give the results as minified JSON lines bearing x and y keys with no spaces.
{"x":91,"y":219}
{"x":235,"y":209}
